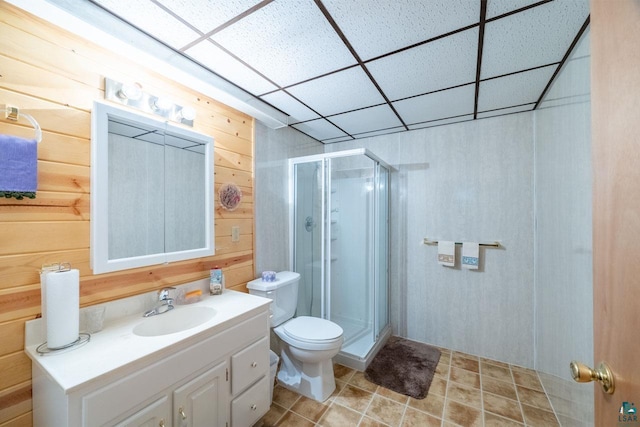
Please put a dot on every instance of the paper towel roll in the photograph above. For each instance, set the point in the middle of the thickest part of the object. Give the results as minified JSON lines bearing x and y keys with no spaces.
{"x":62,"y":307}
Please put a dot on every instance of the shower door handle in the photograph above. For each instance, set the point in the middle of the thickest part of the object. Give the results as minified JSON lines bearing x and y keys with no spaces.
{"x":308,"y":223}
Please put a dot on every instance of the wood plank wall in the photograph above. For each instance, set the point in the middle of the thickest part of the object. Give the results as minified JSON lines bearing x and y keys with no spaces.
{"x":55,"y":76}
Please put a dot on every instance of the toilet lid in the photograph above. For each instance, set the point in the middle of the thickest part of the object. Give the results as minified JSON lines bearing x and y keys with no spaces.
{"x":312,"y":328}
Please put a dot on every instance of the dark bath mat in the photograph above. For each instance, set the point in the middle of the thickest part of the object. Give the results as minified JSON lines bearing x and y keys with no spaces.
{"x":404,"y":366}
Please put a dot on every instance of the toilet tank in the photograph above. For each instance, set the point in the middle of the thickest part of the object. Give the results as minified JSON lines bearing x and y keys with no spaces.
{"x":284,"y":293}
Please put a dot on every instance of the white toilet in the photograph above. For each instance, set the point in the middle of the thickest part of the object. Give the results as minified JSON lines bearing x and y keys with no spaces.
{"x":307,"y":343}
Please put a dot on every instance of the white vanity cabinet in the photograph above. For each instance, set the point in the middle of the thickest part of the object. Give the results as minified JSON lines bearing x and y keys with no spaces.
{"x":217,"y":377}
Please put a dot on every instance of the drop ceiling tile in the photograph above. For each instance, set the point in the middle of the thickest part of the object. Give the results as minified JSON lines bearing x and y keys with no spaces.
{"x":288,"y":42}
{"x":338,"y":92}
{"x":500,"y":7}
{"x":366,"y":120}
{"x":503,"y":111}
{"x":319,"y":129}
{"x":335,"y":140}
{"x":535,"y":37}
{"x":380,"y":132}
{"x":297,"y":111}
{"x":448,"y":121}
{"x":443,"y":63}
{"x":208,"y":15}
{"x":437,"y":105}
{"x":515,"y":89}
{"x":153,"y":20}
{"x":377,"y":27}
{"x":225,"y":65}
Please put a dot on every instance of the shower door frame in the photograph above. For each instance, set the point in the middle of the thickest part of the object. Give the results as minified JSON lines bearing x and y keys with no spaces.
{"x":379,"y":336}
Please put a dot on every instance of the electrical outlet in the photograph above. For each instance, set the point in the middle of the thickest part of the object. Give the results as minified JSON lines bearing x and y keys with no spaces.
{"x":235,"y":233}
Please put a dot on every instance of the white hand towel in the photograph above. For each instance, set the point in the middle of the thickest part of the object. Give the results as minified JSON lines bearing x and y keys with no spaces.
{"x":447,"y":253}
{"x":470,"y":255}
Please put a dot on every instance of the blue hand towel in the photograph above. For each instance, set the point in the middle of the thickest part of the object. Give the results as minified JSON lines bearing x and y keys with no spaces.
{"x":18,"y":167}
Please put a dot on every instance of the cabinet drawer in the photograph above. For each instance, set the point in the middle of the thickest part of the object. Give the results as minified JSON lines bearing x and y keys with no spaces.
{"x":247,"y":408}
{"x":249,"y":364}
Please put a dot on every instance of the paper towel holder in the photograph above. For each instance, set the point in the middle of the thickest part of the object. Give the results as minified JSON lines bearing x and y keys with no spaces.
{"x":56,"y":267}
{"x":83,"y":337}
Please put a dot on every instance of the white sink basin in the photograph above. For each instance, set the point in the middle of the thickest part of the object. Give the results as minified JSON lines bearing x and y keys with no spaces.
{"x":177,"y":320}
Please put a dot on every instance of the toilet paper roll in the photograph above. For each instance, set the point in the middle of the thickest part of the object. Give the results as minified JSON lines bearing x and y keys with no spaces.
{"x":61,"y":307}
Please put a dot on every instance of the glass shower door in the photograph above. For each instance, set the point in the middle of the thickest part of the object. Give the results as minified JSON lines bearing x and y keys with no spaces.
{"x":307,"y":235}
{"x":349,"y":250}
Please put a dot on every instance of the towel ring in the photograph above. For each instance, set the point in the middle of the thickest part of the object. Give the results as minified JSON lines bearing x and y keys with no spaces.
{"x":13,"y":113}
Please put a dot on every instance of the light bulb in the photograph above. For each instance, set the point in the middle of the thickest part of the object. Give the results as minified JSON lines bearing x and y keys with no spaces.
{"x":132,"y":91}
{"x":162,"y":104}
{"x":186,"y":113}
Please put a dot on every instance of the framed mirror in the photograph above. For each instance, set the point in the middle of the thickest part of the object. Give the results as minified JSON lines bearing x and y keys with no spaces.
{"x":151,"y":191}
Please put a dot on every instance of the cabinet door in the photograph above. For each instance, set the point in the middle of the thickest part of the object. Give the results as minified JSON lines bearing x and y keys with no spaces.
{"x":203,"y":401}
{"x":157,"y":414}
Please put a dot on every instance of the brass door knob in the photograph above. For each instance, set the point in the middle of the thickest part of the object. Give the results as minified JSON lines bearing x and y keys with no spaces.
{"x":603,"y":374}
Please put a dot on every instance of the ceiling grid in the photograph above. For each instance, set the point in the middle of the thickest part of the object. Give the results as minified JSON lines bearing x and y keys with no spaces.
{"x":348,"y":69}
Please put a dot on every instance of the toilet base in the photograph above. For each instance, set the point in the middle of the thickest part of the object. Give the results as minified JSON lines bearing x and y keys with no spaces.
{"x":313,"y":380}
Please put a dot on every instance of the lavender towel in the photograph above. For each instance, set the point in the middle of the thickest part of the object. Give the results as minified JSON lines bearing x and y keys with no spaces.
{"x":18,"y":167}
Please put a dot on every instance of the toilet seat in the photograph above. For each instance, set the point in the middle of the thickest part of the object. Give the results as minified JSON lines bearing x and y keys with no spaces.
{"x":310,"y":333}
{"x":312,"y":329}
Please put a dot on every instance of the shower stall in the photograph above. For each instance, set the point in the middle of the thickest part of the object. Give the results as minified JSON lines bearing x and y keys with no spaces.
{"x":339,"y":222}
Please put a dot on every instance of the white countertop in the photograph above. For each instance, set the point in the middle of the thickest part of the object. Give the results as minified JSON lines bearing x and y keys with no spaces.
{"x":116,"y":346}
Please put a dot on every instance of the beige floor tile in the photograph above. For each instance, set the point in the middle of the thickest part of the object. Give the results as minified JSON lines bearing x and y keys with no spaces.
{"x":491,"y":420}
{"x":284,"y":397}
{"x":442,"y":369}
{"x":342,"y":373}
{"x":390,"y":394}
{"x":496,"y":372}
{"x":272,"y":417}
{"x":461,"y":360}
{"x":339,"y":416}
{"x":358,"y":380}
{"x":501,"y":388}
{"x":309,"y":408}
{"x":415,"y":418}
{"x":536,"y":417}
{"x":494,"y":362}
{"x":438,"y":386}
{"x":433,"y":404}
{"x":462,"y":415}
{"x":462,"y":376}
{"x":526,"y":378}
{"x":339,"y":386}
{"x":445,"y":359}
{"x":463,"y":394}
{"x":291,"y":419}
{"x":504,"y":407}
{"x":354,"y":398}
{"x":370,"y":422}
{"x":385,"y":410}
{"x":534,"y":398}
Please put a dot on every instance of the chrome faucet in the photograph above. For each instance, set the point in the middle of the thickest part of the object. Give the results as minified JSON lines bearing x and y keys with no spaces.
{"x":166,"y":303}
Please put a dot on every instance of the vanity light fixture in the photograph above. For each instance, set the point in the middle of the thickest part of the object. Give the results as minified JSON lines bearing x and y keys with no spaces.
{"x":132,"y":95}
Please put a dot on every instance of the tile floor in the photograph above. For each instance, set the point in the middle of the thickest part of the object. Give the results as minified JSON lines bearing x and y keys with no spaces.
{"x":466,"y":391}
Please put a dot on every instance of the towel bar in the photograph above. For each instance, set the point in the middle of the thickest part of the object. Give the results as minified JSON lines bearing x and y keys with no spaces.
{"x":13,"y":113}
{"x":496,"y":244}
